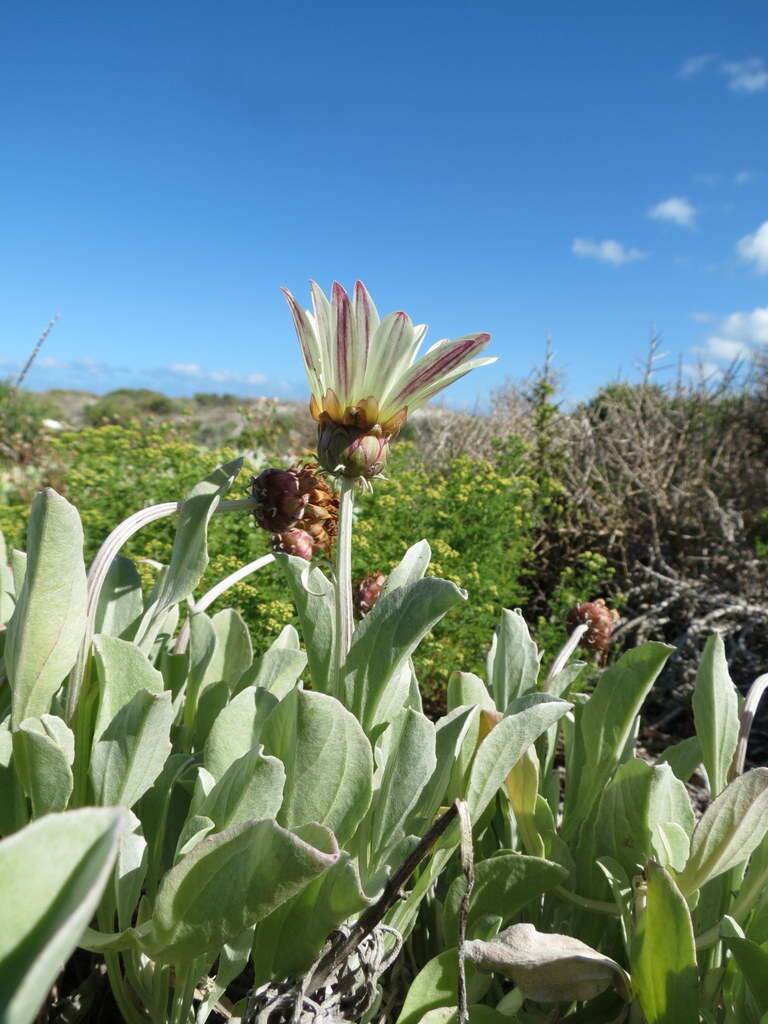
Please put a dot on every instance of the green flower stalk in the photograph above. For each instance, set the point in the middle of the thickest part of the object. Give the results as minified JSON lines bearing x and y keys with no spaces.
{"x":365,"y":379}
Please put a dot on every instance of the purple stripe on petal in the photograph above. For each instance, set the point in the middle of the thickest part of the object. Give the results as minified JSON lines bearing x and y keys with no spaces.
{"x":343,"y":336}
{"x":363,"y":315}
{"x":301,"y":324}
{"x":460,"y":351}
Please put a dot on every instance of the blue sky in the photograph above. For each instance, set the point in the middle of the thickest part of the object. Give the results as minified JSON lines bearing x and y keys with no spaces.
{"x":578,"y":170}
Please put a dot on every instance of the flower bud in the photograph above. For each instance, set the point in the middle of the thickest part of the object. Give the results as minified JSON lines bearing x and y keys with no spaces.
{"x":599,"y":620}
{"x":295,"y":542}
{"x":367,"y":592}
{"x":281,"y":497}
{"x":352,"y":451}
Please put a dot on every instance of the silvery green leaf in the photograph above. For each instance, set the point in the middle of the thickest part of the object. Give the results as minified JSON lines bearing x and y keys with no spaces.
{"x":237,"y":729}
{"x":313,"y":596}
{"x":202,"y":647}
{"x":231,"y":881}
{"x":212,"y":702}
{"x":733,"y":825}
{"x":664,"y":971}
{"x":288,"y":941}
{"x":515,"y":661}
{"x":233,"y":652}
{"x":43,"y":752}
{"x":121,"y":603}
{"x":466,"y":688}
{"x":603,"y":726}
{"x":48,"y":622}
{"x":196,"y":828}
{"x":505,"y":743}
{"x":752,"y":960}
{"x":59,"y":866}
{"x":716,"y":713}
{"x":435,"y":986}
{"x":638,"y":800}
{"x":189,"y":556}
{"x":683,"y":757}
{"x":399,"y":694}
{"x":122,"y":671}
{"x":18,"y":565}
{"x":450,"y":733}
{"x":130,"y":753}
{"x":671,"y":845}
{"x":130,"y":869}
{"x":504,"y":884}
{"x":13,"y":803}
{"x":251,"y":788}
{"x":411,"y":567}
{"x":409,"y":748}
{"x":328,"y":762}
{"x":162,"y":812}
{"x":277,"y":670}
{"x":548,"y":967}
{"x":386,"y":638}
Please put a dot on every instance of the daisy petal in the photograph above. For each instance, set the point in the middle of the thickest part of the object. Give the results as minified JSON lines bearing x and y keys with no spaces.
{"x":366,"y":319}
{"x":341,"y":327}
{"x":439,"y":362}
{"x":393,"y":349}
{"x":310,"y":347}
{"x":423,"y":396}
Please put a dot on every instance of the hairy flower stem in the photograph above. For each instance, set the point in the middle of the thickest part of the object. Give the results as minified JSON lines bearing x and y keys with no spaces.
{"x":343,"y":584}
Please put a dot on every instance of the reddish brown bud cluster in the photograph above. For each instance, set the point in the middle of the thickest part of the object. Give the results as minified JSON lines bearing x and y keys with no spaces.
{"x":298,"y":508}
{"x":367,"y":591}
{"x":600,"y":621}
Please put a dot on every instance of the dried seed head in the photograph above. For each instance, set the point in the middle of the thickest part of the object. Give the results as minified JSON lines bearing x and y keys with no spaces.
{"x":600,"y":622}
{"x":351,"y":451}
{"x":298,"y":507}
{"x":367,"y":591}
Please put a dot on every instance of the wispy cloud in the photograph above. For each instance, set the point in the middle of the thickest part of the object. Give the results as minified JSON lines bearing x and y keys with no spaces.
{"x":701,"y":318}
{"x":754,"y":248}
{"x":743,"y":177}
{"x":178,"y":378}
{"x":750,"y":75}
{"x":676,"y":209}
{"x":745,"y":76}
{"x":695,"y":65}
{"x":739,"y":336}
{"x":608,"y":251}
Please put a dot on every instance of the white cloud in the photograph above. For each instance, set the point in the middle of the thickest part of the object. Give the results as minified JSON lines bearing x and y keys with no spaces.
{"x":216,"y":376}
{"x":701,"y":318}
{"x":745,"y":76}
{"x":748,"y":327}
{"x":738,"y":337}
{"x":750,"y":75}
{"x":609,"y":251}
{"x":676,"y":209}
{"x":186,"y":369}
{"x":743,"y":177}
{"x":755,"y":248}
{"x":695,"y":65}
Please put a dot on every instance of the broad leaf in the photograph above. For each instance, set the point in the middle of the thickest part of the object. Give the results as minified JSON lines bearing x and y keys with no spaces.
{"x":250,"y":789}
{"x":48,"y":622}
{"x":233,"y":652}
{"x":529,"y":717}
{"x":237,"y":729}
{"x":279,"y":667}
{"x":121,"y":603}
{"x":752,"y":960}
{"x":328,"y":762}
{"x":52,"y":874}
{"x":289,"y":940}
{"x":122,"y":671}
{"x":664,"y":956}
{"x":229,"y":882}
{"x":435,"y":985}
{"x":130,"y":753}
{"x":504,"y":884}
{"x":716,"y":713}
{"x":683,"y":757}
{"x":386,"y":638}
{"x":43,"y":751}
{"x":411,"y":567}
{"x":313,"y":596}
{"x":515,"y":660}
{"x":467,"y":688}
{"x":731,"y":828}
{"x":604,"y":724}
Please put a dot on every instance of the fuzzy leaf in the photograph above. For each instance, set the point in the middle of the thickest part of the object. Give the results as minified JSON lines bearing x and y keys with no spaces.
{"x":237,"y":729}
{"x":48,"y":622}
{"x":121,"y":603}
{"x":515,"y":662}
{"x":716,"y":713}
{"x":43,"y":751}
{"x":664,"y":956}
{"x":435,"y":986}
{"x":313,"y":596}
{"x":328,"y":762}
{"x":59,"y":865}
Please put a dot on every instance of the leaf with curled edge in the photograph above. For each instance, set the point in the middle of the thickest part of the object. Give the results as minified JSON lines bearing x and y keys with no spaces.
{"x":547,"y":967}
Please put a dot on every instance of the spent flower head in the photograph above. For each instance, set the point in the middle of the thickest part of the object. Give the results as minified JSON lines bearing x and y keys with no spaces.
{"x":365,"y":377}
